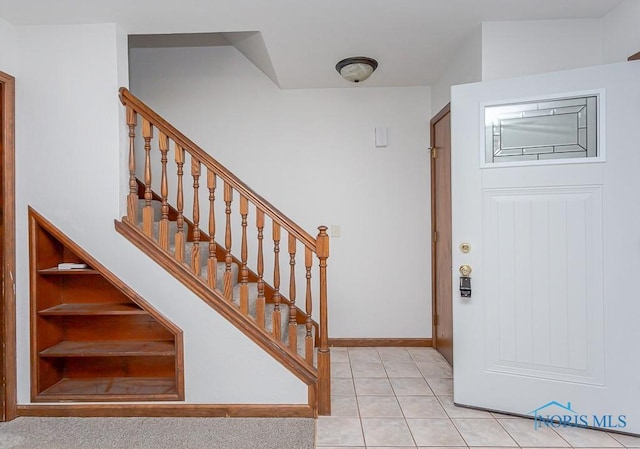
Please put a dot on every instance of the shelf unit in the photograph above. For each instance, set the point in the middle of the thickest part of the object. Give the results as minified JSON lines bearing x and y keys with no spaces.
{"x":92,"y":337}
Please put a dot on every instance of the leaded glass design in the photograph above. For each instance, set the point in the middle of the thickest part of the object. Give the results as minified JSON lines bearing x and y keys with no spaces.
{"x":541,"y":130}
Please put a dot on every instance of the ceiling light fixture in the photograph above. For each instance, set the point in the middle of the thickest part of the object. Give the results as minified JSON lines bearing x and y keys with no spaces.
{"x":357,"y":68}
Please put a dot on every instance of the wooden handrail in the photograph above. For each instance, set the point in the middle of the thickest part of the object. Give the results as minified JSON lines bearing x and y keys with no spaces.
{"x":128,"y":99}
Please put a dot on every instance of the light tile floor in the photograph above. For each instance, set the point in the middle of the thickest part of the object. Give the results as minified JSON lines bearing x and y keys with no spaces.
{"x":387,"y":398}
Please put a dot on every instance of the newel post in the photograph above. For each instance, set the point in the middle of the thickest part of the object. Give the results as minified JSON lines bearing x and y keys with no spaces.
{"x":324,"y":357}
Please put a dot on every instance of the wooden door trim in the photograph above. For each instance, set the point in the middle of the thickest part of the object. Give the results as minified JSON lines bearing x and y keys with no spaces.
{"x":7,"y":119}
{"x":432,"y":124}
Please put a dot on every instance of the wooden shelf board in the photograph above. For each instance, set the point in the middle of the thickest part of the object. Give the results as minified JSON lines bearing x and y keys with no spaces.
{"x":55,"y":271}
{"x":114,"y":388}
{"x":93,"y":309}
{"x":110,"y":349}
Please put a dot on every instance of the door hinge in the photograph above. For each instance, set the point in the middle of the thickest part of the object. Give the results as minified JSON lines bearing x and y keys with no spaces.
{"x":434,"y":236}
{"x":434,"y":152}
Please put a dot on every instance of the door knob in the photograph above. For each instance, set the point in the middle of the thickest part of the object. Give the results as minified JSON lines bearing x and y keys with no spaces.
{"x":465,"y":270}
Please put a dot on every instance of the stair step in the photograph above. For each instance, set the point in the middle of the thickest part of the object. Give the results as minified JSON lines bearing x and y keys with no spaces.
{"x":156,"y":207}
{"x":302,"y":334}
{"x":203,"y":253}
{"x":268,"y":310}
{"x":173,"y":229}
{"x":221,"y":268}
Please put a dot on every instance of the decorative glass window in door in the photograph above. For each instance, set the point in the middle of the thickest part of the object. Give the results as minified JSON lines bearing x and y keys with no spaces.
{"x":561,"y":128}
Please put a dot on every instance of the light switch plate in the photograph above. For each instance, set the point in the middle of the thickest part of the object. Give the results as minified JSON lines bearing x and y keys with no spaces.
{"x":382,"y":137}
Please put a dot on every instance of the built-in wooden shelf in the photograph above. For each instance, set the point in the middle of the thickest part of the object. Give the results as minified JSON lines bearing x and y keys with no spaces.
{"x":124,"y":388}
{"x":92,"y":337}
{"x":94,"y":309}
{"x":109,"y":349}
{"x":56,"y":271}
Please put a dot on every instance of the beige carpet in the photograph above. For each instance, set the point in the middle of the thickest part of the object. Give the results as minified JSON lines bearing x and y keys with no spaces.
{"x":158,"y":433}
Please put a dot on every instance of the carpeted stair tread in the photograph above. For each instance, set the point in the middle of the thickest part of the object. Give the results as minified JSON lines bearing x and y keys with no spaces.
{"x":221,"y":268}
{"x":268,"y":310}
{"x":155,"y":205}
{"x":173,"y":229}
{"x":204,"y":255}
{"x":302,"y":334}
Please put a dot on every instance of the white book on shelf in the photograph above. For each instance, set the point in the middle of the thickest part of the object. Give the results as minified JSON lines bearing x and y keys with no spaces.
{"x":71,"y":266}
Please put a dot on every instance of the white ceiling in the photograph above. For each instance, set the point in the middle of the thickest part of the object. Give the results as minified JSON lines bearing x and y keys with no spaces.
{"x":411,"y":39}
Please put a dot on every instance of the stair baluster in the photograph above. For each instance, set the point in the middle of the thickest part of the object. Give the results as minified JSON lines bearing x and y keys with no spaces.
{"x":293,"y":325}
{"x":195,"y":249}
{"x":147,"y":212}
{"x":179,"y":254}
{"x":228,"y":259}
{"x":308,"y":339}
{"x":212,"y":261}
{"x":276,"y":279}
{"x":244,"y":271}
{"x":132,"y":198}
{"x":261,"y":300}
{"x":163,"y":232}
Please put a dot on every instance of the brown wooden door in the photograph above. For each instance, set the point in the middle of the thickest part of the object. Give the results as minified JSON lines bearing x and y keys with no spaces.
{"x":7,"y":250}
{"x":2,"y":308}
{"x":441,"y":232}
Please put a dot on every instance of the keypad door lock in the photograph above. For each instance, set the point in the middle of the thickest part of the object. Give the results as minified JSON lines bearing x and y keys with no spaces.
{"x":465,"y":281}
{"x":465,"y":286}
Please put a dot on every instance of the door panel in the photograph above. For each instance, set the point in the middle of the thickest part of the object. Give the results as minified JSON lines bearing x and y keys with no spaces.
{"x":547,"y":290}
{"x":555,"y":249}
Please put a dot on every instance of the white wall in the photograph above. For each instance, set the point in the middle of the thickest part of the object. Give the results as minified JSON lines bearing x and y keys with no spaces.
{"x":622,"y":32}
{"x":7,"y":47}
{"x":68,"y":158}
{"x":506,"y":49}
{"x":465,"y":66}
{"x":519,"y":48}
{"x":311,"y":153}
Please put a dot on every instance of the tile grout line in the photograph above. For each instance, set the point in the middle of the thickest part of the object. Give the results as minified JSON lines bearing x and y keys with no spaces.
{"x":406,"y":423}
{"x":355,"y":392}
{"x":509,"y":433}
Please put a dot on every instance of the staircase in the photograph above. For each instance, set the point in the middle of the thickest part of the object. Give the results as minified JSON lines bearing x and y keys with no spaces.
{"x":251,"y":287}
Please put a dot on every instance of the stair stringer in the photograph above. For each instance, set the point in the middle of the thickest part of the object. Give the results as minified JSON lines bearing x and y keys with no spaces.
{"x":215,"y":300}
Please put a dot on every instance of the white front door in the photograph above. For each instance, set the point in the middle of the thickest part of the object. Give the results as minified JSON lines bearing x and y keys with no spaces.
{"x":552,"y":327}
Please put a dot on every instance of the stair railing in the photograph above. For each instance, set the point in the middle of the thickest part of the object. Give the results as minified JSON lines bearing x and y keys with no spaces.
{"x":189,"y":229}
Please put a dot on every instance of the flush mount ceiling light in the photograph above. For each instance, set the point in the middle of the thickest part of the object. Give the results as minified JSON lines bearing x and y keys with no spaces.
{"x":357,"y":68}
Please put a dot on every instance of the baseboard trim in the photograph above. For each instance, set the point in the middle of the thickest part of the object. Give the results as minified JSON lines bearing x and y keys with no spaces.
{"x":385,"y":342}
{"x":168,"y":410}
